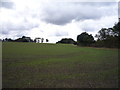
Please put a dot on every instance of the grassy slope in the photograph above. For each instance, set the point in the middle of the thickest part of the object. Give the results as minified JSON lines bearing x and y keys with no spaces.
{"x":51,"y":65}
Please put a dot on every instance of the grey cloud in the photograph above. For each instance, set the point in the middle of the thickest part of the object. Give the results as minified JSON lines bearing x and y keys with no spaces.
{"x":59,"y":20}
{"x":6,"y":4}
{"x":88,"y":28}
{"x":9,"y":27}
{"x":100,"y":4}
{"x":4,"y":32}
{"x":24,"y":25}
{"x":62,"y":13}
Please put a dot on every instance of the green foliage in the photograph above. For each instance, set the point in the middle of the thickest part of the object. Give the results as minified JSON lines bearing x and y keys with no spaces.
{"x":109,"y":37}
{"x":85,"y":39}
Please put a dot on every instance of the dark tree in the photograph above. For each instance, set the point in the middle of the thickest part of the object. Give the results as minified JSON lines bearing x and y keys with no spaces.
{"x":66,"y":41}
{"x":108,"y":37}
{"x":37,"y":40}
{"x":105,"y":33}
{"x":102,"y":34}
{"x":116,"y":29}
{"x":6,"y":39}
{"x":47,"y":40}
{"x":85,"y":39}
{"x":3,"y":40}
{"x":24,"y":39}
{"x":42,"y":39}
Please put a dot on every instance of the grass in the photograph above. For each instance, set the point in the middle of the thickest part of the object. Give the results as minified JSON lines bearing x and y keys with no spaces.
{"x":33,"y":65}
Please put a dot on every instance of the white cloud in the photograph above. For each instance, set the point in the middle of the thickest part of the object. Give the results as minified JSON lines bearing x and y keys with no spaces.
{"x":55,"y":19}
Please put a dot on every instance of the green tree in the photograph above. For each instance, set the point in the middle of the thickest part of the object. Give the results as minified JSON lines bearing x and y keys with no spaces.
{"x":109,"y":37}
{"x":85,"y":39}
{"x":102,"y":34}
{"x":105,"y":33}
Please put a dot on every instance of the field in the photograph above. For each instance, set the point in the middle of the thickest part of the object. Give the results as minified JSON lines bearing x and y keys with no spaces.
{"x":34,"y":65}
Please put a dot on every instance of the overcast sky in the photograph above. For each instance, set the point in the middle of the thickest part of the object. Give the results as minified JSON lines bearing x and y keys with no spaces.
{"x":55,"y":19}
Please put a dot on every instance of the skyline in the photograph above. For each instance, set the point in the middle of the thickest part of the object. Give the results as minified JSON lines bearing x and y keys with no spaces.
{"x":55,"y":20}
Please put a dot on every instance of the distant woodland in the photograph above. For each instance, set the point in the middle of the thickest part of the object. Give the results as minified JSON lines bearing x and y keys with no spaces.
{"x":106,"y":37}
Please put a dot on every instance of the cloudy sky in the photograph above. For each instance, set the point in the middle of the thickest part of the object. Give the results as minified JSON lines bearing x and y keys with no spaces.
{"x":55,"y":19}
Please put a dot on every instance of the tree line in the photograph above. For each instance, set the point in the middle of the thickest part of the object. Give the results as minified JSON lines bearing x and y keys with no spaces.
{"x":106,"y":37}
{"x":25,"y":39}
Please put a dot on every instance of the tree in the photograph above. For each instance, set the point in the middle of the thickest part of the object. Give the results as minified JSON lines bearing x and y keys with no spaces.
{"x":66,"y":41}
{"x":24,"y":39}
{"x":42,"y":39}
{"x":6,"y":39}
{"x":3,"y":40}
{"x":0,"y":40}
{"x":47,"y":40}
{"x":37,"y":40}
{"x":102,"y":34}
{"x":105,"y":33}
{"x":109,"y":37}
{"x":116,"y":29}
{"x":85,"y":39}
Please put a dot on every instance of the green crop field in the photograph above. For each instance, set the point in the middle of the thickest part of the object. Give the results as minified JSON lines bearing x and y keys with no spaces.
{"x":35,"y":65}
